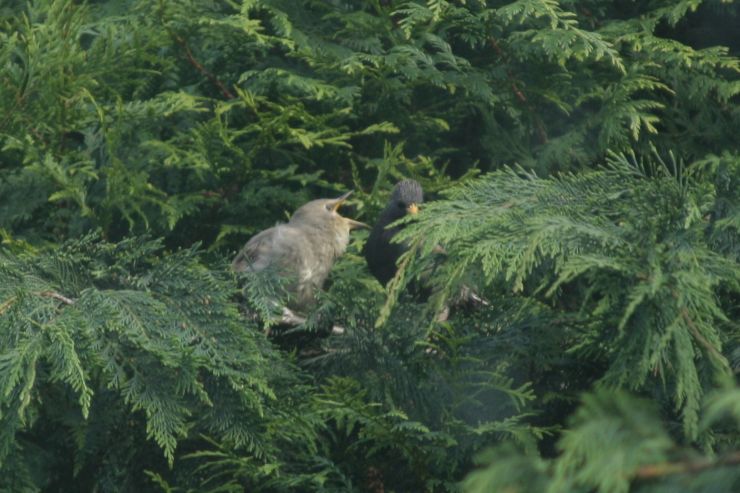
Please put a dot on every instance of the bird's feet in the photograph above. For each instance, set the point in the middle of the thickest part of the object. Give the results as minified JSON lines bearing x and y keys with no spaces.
{"x":290,"y":318}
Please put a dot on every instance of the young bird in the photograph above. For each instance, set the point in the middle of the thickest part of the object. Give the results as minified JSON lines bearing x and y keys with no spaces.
{"x":380,"y":252}
{"x":303,"y":250}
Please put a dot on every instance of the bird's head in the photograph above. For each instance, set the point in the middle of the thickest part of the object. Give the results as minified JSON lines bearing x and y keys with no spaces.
{"x":406,"y":197}
{"x":324,"y":214}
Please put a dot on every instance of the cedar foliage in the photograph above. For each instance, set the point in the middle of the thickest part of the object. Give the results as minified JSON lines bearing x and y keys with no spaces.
{"x":585,"y":162}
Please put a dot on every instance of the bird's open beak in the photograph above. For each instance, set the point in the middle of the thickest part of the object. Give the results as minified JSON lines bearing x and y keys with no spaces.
{"x":412,"y":209}
{"x":356,"y":224}
{"x":351,"y":222}
{"x":340,"y":200}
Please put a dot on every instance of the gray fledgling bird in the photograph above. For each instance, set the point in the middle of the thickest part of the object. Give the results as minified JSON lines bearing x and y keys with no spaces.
{"x":380,"y":252}
{"x":303,"y":250}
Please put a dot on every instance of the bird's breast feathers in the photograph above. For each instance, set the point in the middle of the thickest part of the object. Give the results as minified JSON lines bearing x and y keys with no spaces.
{"x":341,"y":240}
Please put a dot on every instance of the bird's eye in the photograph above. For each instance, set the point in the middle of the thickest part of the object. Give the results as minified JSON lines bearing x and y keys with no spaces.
{"x":328,"y":207}
{"x":401,"y":205}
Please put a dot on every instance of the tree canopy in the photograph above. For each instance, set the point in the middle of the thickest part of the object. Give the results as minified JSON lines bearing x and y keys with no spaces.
{"x":581,"y":165}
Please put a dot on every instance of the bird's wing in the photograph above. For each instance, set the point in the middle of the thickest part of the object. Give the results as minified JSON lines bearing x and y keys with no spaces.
{"x":255,"y":255}
{"x":381,"y":253}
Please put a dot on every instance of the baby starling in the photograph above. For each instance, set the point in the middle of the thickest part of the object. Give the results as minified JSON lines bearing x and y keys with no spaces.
{"x":380,"y":252}
{"x":303,"y":250}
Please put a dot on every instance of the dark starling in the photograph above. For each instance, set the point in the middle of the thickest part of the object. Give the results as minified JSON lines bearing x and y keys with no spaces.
{"x":303,"y":250}
{"x":380,"y":252}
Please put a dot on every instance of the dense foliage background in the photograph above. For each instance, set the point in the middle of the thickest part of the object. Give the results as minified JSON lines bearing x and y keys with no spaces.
{"x":585,"y":161}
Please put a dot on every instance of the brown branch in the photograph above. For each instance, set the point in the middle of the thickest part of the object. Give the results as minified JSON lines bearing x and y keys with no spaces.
{"x":47,"y":294}
{"x":210,"y":194}
{"x":7,"y":304}
{"x":541,"y":132}
{"x":697,"y":333}
{"x":292,"y":319}
{"x":374,"y":478}
{"x":199,"y":66}
{"x":595,"y":22}
{"x":57,"y":296}
{"x":700,"y":338}
{"x":654,"y":471}
{"x":519,"y":93}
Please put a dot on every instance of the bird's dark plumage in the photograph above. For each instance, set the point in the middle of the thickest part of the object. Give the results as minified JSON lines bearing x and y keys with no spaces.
{"x":380,"y":252}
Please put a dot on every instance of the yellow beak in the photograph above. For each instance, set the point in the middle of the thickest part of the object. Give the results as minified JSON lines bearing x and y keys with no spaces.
{"x":351,"y":222}
{"x":340,"y":200}
{"x":355,"y":224}
{"x":412,"y":209}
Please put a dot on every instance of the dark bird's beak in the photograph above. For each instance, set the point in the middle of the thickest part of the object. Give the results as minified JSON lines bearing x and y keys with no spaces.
{"x":412,"y":208}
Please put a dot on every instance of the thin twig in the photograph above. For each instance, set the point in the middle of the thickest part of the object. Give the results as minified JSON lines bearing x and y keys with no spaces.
{"x":699,"y":337}
{"x":293,"y":319}
{"x":57,"y":296}
{"x":7,"y":304}
{"x":199,"y":66}
{"x":667,"y":468}
{"x":47,"y":294}
{"x":519,"y":93}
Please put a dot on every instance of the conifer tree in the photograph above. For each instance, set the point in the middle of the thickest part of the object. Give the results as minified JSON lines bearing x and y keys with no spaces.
{"x":581,"y":165}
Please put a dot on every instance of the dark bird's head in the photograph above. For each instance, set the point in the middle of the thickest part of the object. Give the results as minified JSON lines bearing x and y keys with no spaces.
{"x":405,"y":199}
